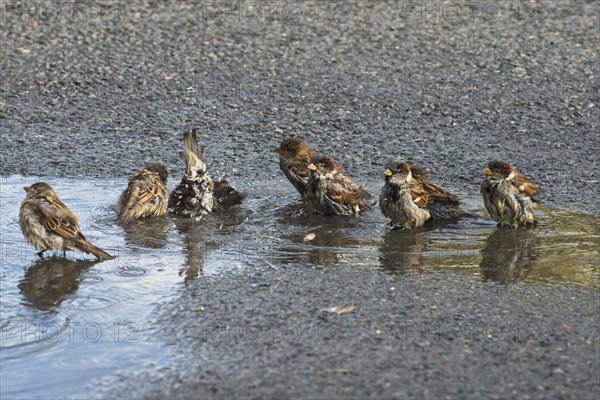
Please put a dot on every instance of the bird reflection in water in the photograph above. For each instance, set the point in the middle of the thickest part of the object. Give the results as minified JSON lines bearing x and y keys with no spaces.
{"x":327,"y":247}
{"x":193,"y":236}
{"x":211,"y":235}
{"x":47,"y":281}
{"x":509,"y":255}
{"x":150,"y":233}
{"x":402,"y":250}
{"x":330,"y":236}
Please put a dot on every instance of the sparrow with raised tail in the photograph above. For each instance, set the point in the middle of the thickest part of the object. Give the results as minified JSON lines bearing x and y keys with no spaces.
{"x":331,"y":192}
{"x":145,"y":196}
{"x":507,"y":195}
{"x":410,"y":199}
{"x":294,"y":159}
{"x":197,"y":195}
{"x":48,"y":224}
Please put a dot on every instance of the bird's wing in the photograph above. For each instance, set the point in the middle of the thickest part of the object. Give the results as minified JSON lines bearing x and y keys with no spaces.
{"x":59,"y":219}
{"x":343,"y":191}
{"x":424,"y":191}
{"x":418,"y":193}
{"x":438,"y":193}
{"x":144,"y":187}
{"x":524,"y":185}
{"x":183,"y":197}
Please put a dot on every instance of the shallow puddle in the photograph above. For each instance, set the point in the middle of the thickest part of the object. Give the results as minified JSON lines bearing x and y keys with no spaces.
{"x":67,"y":321}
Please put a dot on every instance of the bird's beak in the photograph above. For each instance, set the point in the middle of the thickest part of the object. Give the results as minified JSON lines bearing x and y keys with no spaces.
{"x":278,"y":150}
{"x":387,"y":172}
{"x":487,"y":171}
{"x":312,"y":167}
{"x":27,"y":188}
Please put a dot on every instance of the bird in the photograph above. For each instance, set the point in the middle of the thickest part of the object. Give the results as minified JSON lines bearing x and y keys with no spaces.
{"x":294,"y":159}
{"x":48,"y":224}
{"x":145,"y":196}
{"x":410,"y":199}
{"x":332,"y":192}
{"x":225,"y":195}
{"x":508,"y":195}
{"x":197,"y":195}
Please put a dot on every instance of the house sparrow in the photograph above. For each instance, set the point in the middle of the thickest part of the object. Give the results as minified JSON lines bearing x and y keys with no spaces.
{"x":49,"y":225}
{"x":145,"y":196}
{"x":331,"y":192}
{"x":294,"y":158}
{"x":507,"y":195}
{"x":197,"y":195}
{"x":410,"y":199}
{"x":225,"y":195}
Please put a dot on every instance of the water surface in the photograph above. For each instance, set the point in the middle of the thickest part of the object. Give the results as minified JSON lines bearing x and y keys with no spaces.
{"x":67,"y":322}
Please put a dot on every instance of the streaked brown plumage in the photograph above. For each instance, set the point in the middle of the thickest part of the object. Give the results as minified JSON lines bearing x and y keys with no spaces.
{"x":225,"y":195}
{"x":48,"y":224}
{"x":507,"y":195}
{"x":294,"y":158}
{"x":145,"y":196}
{"x":197,"y":195}
{"x":331,"y":192}
{"x":410,"y":199}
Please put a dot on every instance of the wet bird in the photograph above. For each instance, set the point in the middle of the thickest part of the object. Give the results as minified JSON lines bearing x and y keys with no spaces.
{"x":507,"y":195}
{"x":197,"y":195}
{"x":294,"y":158}
{"x":410,"y":199}
{"x":331,"y":192}
{"x":225,"y":195}
{"x":145,"y":196}
{"x":48,"y":224}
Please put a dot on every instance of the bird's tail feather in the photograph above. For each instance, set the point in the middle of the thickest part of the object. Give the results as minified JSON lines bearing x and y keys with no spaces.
{"x":190,"y":143}
{"x":90,"y":248}
{"x":127,"y":213}
{"x":192,"y":156}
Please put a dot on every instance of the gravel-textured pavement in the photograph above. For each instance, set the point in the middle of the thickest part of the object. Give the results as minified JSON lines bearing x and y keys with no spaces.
{"x":268,"y":335}
{"x":105,"y":87}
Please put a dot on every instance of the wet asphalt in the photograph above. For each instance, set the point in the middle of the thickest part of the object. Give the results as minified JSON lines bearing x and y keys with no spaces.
{"x":101,"y":89}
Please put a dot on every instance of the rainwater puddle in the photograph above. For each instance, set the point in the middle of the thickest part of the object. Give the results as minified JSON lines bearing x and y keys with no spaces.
{"x":67,"y":322}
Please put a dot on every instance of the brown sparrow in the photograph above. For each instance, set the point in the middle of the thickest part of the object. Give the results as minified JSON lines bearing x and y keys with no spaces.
{"x":294,"y":158}
{"x":197,"y":195}
{"x":145,"y":196}
{"x":49,"y":225}
{"x":507,"y":195}
{"x":331,"y":192}
{"x":225,"y":195}
{"x":410,"y":199}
